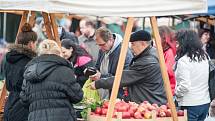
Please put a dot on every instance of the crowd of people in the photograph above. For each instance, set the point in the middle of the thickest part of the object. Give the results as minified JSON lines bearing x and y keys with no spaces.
{"x":44,"y":79}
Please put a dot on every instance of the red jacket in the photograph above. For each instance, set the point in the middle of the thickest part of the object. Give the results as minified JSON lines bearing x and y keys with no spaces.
{"x":170,"y":61}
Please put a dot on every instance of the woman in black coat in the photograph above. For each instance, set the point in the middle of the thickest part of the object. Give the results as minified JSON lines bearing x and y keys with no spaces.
{"x":50,"y":87}
{"x":18,"y":56}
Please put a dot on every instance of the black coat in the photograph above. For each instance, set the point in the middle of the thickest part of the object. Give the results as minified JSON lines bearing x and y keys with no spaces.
{"x":14,"y":65}
{"x":143,"y":79}
{"x":50,"y":89}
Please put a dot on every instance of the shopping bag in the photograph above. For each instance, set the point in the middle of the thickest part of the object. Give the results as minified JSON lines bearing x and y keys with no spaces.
{"x":89,"y":93}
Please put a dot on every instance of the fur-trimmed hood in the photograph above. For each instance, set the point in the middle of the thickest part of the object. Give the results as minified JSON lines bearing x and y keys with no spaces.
{"x":17,"y":52}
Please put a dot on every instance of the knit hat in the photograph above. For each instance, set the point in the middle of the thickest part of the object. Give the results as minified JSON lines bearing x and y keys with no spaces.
{"x":140,"y":35}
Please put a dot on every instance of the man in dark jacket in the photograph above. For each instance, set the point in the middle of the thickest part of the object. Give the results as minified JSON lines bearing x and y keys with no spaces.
{"x":143,"y":78}
{"x":110,"y":46}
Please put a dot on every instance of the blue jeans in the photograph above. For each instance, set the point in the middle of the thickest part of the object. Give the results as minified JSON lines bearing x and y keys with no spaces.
{"x":197,"y":113}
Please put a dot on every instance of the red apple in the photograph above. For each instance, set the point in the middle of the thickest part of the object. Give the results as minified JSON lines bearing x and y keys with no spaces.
{"x":105,"y":104}
{"x":168,"y":113}
{"x":141,"y":109}
{"x":145,"y":102}
{"x":155,"y":105}
{"x":131,"y":112}
{"x":138,"y":115}
{"x":104,"y":111}
{"x":122,"y":108}
{"x":98,"y":111}
{"x":163,"y":107}
{"x":126,"y":115}
{"x":168,"y":106}
{"x":133,"y":107}
{"x":150,"y":108}
{"x":162,"y":114}
{"x":180,"y":113}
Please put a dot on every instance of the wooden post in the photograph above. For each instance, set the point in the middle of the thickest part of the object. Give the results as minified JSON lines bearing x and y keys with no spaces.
{"x":163,"y":67}
{"x":47,"y":24}
{"x":55,"y":28}
{"x":119,"y":70}
{"x":22,"y":22}
{"x":2,"y":98}
{"x":32,"y":18}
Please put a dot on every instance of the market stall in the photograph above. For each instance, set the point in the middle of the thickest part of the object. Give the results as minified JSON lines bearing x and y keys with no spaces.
{"x":120,"y":8}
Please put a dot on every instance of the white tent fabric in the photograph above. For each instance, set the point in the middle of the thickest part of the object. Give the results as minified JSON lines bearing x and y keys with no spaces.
{"x":120,"y":8}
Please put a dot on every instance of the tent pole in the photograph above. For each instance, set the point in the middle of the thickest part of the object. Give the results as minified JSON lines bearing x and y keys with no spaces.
{"x":47,"y":25}
{"x":2,"y":98}
{"x":22,"y":22}
{"x":119,"y":70}
{"x":32,"y":18}
{"x":163,"y":67}
{"x":55,"y":28}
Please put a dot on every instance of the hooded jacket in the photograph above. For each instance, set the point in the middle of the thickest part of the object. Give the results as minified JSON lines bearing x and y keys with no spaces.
{"x":143,"y":79}
{"x":16,"y":59}
{"x":113,"y":58}
{"x":50,"y":89}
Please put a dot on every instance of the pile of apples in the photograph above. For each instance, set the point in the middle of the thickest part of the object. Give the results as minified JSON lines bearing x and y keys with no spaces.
{"x":133,"y":110}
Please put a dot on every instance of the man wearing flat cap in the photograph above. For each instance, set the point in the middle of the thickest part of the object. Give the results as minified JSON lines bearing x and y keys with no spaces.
{"x":143,"y":78}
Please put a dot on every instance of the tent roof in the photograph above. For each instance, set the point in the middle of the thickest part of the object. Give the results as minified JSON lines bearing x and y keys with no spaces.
{"x":120,"y":8}
{"x":211,"y":7}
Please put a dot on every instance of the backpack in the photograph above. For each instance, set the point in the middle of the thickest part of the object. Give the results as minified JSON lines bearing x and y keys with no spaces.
{"x":211,"y":81}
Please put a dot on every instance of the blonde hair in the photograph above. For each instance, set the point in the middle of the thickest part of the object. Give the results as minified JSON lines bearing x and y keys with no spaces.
{"x":48,"y":47}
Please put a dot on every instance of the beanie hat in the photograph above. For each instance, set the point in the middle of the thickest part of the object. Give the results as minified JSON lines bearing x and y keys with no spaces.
{"x":140,"y":35}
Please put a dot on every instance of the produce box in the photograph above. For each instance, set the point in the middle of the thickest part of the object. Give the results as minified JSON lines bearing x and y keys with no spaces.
{"x":154,"y":118}
{"x":135,"y":112}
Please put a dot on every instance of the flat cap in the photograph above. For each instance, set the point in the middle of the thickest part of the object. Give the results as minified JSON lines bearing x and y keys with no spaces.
{"x":140,"y":35}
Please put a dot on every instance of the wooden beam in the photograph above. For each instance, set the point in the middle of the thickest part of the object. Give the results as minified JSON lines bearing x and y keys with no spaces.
{"x":2,"y":98}
{"x":47,"y":24}
{"x":119,"y":70}
{"x":55,"y":28}
{"x":32,"y":18}
{"x":22,"y":22}
{"x":163,"y":68}
{"x":206,"y":20}
{"x":11,"y":11}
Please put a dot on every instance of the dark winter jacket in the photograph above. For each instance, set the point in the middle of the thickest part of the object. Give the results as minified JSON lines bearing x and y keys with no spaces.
{"x":143,"y":79}
{"x":16,"y":59}
{"x":50,"y":89}
{"x":211,"y":51}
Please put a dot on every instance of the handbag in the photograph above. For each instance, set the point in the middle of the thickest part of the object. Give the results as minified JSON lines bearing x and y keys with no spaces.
{"x":211,"y":81}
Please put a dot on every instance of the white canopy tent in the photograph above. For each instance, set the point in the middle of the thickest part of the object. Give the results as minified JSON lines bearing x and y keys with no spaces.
{"x":119,"y":8}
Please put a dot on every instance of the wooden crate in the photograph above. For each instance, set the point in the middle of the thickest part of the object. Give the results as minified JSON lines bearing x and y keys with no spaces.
{"x":154,"y":118}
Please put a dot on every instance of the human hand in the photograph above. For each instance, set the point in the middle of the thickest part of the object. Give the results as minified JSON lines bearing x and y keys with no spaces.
{"x":96,"y":76}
